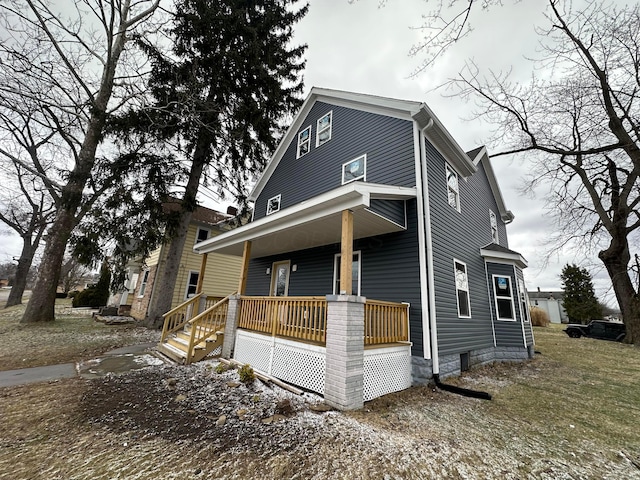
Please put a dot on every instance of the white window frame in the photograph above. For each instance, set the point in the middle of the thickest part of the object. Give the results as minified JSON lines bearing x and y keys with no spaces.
{"x":524,"y":301}
{"x":302,"y":141}
{"x":143,"y":283}
{"x":503,"y":297}
{"x":271,"y":210}
{"x":328,"y":127}
{"x":133,"y":282}
{"x":186,"y":289}
{"x":363,"y":158}
{"x":449,"y":170}
{"x":493,"y":222}
{"x":201,"y":229}
{"x":455,"y":280}
{"x":336,"y":270}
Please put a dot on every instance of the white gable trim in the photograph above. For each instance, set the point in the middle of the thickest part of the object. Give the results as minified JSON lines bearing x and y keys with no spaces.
{"x":483,"y":157}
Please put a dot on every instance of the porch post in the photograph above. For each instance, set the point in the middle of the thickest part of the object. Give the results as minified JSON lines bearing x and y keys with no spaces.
{"x":231,"y":326}
{"x":203,"y":268}
{"x":244,"y":271}
{"x":344,"y":372}
{"x":346,"y":252}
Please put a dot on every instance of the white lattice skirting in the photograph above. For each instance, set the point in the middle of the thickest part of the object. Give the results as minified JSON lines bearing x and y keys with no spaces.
{"x":386,"y":370}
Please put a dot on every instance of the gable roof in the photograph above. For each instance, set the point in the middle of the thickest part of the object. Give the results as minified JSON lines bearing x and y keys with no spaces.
{"x":403,"y":109}
{"x":480,"y":155}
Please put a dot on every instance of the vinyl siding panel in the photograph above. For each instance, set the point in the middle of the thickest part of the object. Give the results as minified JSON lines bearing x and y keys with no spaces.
{"x":387,"y":142}
{"x":460,"y":235}
{"x":508,"y":333}
{"x":389,"y":271}
{"x":393,"y":210}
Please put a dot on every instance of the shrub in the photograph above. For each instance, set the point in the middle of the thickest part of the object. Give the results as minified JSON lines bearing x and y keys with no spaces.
{"x":539,"y":317}
{"x":95,"y":295}
{"x":246,"y":374}
{"x":221,"y":368}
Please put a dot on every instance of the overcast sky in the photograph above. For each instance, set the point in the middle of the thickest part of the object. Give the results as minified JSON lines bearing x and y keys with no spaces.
{"x":363,"y":48}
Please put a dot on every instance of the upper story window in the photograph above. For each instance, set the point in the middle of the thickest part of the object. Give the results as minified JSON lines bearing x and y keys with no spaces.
{"x":453,"y":193}
{"x":202,"y":234}
{"x":504,"y":297}
{"x":462,"y":289}
{"x":493,"y":221}
{"x":273,"y":204}
{"x":323,"y":129}
{"x":304,"y":142}
{"x":355,"y":169}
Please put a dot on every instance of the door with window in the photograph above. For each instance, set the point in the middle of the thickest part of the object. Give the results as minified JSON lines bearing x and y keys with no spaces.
{"x":280,"y":279}
{"x":355,"y":274}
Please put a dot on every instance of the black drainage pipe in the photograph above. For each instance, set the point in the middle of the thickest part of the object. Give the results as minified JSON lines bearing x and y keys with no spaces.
{"x":461,"y":391}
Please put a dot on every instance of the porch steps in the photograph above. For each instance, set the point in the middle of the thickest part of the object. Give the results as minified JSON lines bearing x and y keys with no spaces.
{"x":176,"y":346}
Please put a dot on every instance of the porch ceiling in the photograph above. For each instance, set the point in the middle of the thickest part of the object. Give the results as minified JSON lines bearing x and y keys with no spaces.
{"x":313,"y":223}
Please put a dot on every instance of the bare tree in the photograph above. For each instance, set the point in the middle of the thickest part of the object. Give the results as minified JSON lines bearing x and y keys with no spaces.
{"x":65,"y":65}
{"x":578,"y":121}
{"x":28,"y":211}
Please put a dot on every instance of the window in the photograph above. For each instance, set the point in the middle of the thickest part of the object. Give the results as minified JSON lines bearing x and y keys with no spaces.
{"x":493,"y":221}
{"x":462,"y":289}
{"x":304,"y":142}
{"x":273,"y":204}
{"x":202,"y":234}
{"x":504,"y":297}
{"x":355,"y":274}
{"x":355,"y":169}
{"x":323,"y":129}
{"x":524,"y":304}
{"x":143,"y":284}
{"x":452,"y":188}
{"x":132,"y":283}
{"x":192,"y":284}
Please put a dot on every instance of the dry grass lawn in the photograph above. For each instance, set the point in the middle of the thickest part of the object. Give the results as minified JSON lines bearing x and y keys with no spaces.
{"x":570,"y":413}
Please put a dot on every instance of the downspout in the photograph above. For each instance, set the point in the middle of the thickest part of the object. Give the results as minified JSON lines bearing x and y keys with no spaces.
{"x":433,"y":329}
{"x":422,"y":248}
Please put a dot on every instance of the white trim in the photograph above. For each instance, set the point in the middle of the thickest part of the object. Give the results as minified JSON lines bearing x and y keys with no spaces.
{"x":198,"y":229}
{"x":455,"y":279}
{"x":330,"y":128}
{"x":143,"y":283}
{"x":307,"y":141}
{"x":270,"y":211}
{"x":404,"y":227}
{"x":440,"y":138}
{"x":336,"y":269}
{"x":493,"y":326}
{"x":364,"y":169}
{"x":186,"y":288}
{"x":495,"y":298}
{"x":504,"y":258}
{"x":522,"y":314}
{"x":483,"y":157}
{"x":448,"y":168}
{"x":273,"y":277}
{"x":350,"y":196}
{"x":422,"y":207}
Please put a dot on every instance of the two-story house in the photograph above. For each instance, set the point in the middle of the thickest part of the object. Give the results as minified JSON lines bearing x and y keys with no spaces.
{"x":377,"y":255}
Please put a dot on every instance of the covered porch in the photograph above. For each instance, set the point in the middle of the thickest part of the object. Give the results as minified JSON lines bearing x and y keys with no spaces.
{"x":345,"y":346}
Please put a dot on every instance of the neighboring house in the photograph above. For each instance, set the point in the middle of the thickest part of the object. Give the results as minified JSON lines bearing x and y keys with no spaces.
{"x":367,"y":209}
{"x":220,"y":280}
{"x":4,"y":282}
{"x":551,"y":302}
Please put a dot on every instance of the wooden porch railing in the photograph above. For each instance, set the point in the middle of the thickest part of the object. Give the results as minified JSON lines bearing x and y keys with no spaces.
{"x":177,"y":318}
{"x":303,"y":318}
{"x":206,"y":324}
{"x":211,"y":301}
{"x":385,"y":322}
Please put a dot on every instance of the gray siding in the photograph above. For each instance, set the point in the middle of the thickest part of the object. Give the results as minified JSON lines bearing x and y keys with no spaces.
{"x":508,"y":333}
{"x":389,"y":271}
{"x":388,"y":143}
{"x":393,"y":210}
{"x":460,"y":235}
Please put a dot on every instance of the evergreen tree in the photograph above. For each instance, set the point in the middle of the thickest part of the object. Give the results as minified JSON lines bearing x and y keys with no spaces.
{"x":580,"y":300}
{"x":231,"y":77}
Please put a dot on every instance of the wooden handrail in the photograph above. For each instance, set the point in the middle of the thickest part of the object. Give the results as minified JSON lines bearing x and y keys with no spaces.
{"x":176,"y":318}
{"x":385,"y":322}
{"x":207,"y":324}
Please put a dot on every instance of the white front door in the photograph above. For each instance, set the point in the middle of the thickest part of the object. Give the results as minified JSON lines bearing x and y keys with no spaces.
{"x":280,"y":279}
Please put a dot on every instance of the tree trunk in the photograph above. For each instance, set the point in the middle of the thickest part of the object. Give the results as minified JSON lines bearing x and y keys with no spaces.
{"x":164,"y":286}
{"x":616,"y":260}
{"x":43,"y":298}
{"x":22,"y":273}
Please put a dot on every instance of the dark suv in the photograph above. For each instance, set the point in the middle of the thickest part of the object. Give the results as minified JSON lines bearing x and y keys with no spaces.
{"x":597,"y":329}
